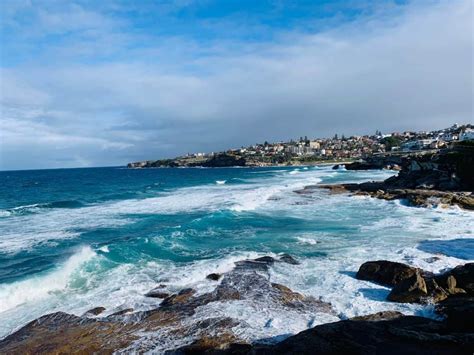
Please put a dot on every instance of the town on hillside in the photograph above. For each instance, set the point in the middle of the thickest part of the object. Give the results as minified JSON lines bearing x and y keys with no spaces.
{"x":305,"y":151}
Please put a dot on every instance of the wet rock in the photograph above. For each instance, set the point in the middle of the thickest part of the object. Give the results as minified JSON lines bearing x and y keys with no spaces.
{"x":157,"y":293}
{"x":410,"y":290}
{"x":459,"y":312}
{"x":265,"y":259}
{"x":464,"y":277}
{"x":395,"y":335}
{"x":94,"y":311}
{"x":432,"y":259}
{"x":171,"y":320}
{"x":214,"y":277}
{"x":180,"y":298}
{"x":435,"y":292}
{"x":122,"y":312}
{"x":387,"y":273}
{"x":452,"y":289}
{"x":336,"y":167}
{"x":62,"y":333}
{"x":226,"y":342}
{"x":384,"y":315}
{"x":262,"y":263}
{"x":287,"y":258}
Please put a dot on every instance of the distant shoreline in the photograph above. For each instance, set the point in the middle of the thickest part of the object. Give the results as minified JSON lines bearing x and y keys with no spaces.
{"x":331,"y":163}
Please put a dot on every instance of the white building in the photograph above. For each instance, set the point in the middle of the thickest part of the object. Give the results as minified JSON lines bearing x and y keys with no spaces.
{"x":467,"y":135}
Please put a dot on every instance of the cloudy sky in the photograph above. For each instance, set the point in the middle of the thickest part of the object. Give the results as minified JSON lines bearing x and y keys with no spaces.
{"x":96,"y":83}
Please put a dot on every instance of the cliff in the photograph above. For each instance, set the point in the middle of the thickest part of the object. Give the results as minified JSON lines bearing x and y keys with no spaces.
{"x":216,"y":161}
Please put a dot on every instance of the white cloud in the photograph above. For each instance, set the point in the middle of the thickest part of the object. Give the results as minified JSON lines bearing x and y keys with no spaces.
{"x":407,"y":71}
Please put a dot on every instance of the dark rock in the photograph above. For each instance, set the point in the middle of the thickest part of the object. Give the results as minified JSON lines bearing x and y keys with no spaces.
{"x":94,"y":311}
{"x":459,"y":312}
{"x":411,"y":290}
{"x":432,"y":259}
{"x":224,"y":160}
{"x":157,"y":293}
{"x":452,"y":289}
{"x":384,"y":315}
{"x":397,"y":335}
{"x":435,"y":292}
{"x":464,"y":277}
{"x":62,"y":333}
{"x":180,"y":298}
{"x":289,"y":259}
{"x":387,"y":273}
{"x":214,"y":277}
{"x":122,"y":312}
{"x":336,"y":167}
{"x":265,"y":259}
{"x":261,"y":263}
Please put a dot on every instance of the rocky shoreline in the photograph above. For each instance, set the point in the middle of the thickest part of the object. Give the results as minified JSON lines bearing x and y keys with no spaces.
{"x":440,"y":179}
{"x":224,"y":160}
{"x":414,"y":197}
{"x":172,"y":320}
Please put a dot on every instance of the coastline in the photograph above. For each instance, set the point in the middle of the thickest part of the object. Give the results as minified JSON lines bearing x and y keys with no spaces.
{"x":452,"y":290}
{"x":176,"y":312}
{"x":289,"y":165}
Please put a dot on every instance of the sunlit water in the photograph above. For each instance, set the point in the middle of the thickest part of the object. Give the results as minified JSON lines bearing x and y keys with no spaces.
{"x":71,"y":240}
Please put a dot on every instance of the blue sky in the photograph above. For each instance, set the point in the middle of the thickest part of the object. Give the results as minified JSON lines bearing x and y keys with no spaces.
{"x":93,"y":83}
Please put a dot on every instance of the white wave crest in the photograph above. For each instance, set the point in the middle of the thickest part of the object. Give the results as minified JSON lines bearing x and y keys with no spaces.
{"x":35,"y":288}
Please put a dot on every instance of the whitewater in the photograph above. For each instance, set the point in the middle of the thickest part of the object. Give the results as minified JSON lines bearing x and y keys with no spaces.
{"x":75,"y":239}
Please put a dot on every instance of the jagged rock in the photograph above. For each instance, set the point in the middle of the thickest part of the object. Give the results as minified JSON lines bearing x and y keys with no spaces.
{"x":94,"y":311}
{"x":180,"y":298}
{"x":214,"y":277}
{"x":62,"y":333}
{"x":463,"y":275}
{"x":265,"y":259}
{"x":387,"y":273}
{"x":157,"y":293}
{"x":289,"y":259}
{"x":396,"y":335}
{"x":452,"y":289}
{"x":410,"y":290}
{"x":435,"y":292}
{"x":122,"y":312}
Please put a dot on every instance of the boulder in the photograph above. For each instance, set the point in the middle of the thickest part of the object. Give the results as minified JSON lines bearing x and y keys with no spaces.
{"x":94,"y":311}
{"x":411,"y":290}
{"x":464,"y":275}
{"x":157,"y":293}
{"x":387,"y":273}
{"x":214,"y":277}
{"x":287,"y":258}
{"x":435,"y":292}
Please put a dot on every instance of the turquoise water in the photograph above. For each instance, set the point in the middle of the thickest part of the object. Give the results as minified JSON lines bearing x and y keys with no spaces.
{"x":75,"y":239}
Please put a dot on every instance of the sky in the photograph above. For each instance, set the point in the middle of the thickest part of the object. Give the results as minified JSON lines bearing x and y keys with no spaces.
{"x":102,"y":83}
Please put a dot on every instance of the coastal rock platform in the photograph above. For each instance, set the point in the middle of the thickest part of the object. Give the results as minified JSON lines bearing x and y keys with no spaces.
{"x":384,"y":332}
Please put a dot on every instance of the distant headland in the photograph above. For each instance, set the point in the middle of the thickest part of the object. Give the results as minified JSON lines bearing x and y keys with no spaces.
{"x":307,"y":151}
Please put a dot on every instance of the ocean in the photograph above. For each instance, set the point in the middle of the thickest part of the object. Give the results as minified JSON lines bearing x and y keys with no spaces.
{"x":75,"y":239}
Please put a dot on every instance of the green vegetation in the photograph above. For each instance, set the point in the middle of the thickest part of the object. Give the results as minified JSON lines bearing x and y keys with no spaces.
{"x":391,"y":142}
